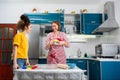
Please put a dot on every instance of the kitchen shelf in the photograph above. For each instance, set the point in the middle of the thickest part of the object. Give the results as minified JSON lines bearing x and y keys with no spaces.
{"x":72,"y":20}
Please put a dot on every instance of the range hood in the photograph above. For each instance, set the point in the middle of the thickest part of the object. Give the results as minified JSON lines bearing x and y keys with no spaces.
{"x":110,"y":23}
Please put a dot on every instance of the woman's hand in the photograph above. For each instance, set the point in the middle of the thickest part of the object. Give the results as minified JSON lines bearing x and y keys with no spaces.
{"x":51,"y":42}
{"x":62,"y":43}
{"x":27,"y":62}
{"x":15,"y":66}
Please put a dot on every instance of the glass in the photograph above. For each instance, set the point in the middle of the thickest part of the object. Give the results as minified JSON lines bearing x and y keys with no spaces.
{"x":9,"y":56}
{"x":3,"y":58}
{"x":11,"y":33}
{"x":9,"y":44}
{"x":6,"y":32}
{"x":0,"y":44}
{"x":0,"y":33}
{"x":5,"y":45}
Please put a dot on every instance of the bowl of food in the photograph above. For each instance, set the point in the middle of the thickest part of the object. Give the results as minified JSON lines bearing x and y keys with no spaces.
{"x":24,"y":67}
{"x":56,"y":42}
{"x":71,"y":65}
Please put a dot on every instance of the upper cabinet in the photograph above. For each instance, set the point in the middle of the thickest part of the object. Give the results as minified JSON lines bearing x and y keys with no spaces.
{"x":89,"y":22}
{"x":46,"y":18}
{"x":70,"y":23}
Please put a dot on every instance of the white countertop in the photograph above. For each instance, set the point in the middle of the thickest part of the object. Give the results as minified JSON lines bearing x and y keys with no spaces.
{"x":69,"y":58}
{"x":98,"y":59}
{"x":107,"y":59}
{"x":49,"y":72}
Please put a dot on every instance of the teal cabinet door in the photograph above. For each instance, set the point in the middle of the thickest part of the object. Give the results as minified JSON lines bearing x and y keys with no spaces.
{"x":80,"y":63}
{"x":90,"y":21}
{"x":42,"y":61}
{"x":104,"y":70}
{"x":94,"y":70}
{"x":46,"y":18}
{"x":110,"y":70}
{"x":89,"y":28}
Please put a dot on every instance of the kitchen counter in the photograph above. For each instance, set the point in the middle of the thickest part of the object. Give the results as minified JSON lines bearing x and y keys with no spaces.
{"x":69,"y":58}
{"x":98,"y":59}
{"x":97,"y":68}
{"x":105,"y":59}
{"x":49,"y":72}
{"x":85,"y":58}
{"x":104,"y":69}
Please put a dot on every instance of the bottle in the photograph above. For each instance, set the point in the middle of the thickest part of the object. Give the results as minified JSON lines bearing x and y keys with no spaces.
{"x":79,"y":53}
{"x":85,"y":55}
{"x":74,"y":29}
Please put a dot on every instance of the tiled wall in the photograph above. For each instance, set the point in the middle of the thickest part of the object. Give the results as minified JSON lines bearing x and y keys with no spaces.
{"x":87,"y":47}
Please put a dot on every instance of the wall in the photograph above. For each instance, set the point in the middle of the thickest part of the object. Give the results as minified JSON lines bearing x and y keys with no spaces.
{"x":10,"y":12}
{"x":115,"y":34}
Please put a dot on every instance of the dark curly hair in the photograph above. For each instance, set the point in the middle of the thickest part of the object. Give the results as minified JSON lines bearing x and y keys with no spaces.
{"x":23,"y":22}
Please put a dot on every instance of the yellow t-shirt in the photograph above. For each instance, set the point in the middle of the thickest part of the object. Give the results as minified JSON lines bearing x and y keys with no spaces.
{"x":21,"y":41}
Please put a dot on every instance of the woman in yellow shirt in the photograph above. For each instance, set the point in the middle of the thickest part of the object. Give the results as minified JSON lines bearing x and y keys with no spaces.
{"x":20,"y":43}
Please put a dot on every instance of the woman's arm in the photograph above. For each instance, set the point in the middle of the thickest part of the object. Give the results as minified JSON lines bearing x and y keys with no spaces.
{"x":65,"y":41}
{"x":48,"y":42}
{"x":15,"y":65}
{"x":27,"y":62}
{"x":66,"y":44}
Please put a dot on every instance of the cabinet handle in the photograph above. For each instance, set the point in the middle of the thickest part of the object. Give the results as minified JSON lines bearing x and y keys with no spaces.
{"x":32,"y":21}
{"x":93,"y":21}
{"x":93,"y":63}
{"x":50,"y":21}
{"x":80,"y":61}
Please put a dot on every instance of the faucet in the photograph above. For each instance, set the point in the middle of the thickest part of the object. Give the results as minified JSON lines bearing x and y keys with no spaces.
{"x":74,"y":29}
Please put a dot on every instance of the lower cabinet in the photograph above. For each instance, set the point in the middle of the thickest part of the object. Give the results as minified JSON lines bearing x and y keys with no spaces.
{"x":94,"y":70}
{"x":103,"y":70}
{"x":81,"y":63}
{"x":110,"y":70}
{"x":42,"y":61}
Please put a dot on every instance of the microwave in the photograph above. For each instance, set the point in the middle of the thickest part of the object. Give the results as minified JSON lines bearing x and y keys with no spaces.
{"x":45,"y":29}
{"x":106,"y":50}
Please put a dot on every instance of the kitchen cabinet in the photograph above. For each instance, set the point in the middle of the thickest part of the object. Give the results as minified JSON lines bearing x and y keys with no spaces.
{"x":46,"y":18}
{"x":94,"y":70}
{"x":104,"y":70}
{"x":81,"y":23}
{"x":42,"y":61}
{"x":72,"y":23}
{"x":89,"y":22}
{"x":81,"y":63}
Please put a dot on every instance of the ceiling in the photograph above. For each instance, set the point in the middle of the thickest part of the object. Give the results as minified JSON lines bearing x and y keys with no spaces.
{"x":55,"y":1}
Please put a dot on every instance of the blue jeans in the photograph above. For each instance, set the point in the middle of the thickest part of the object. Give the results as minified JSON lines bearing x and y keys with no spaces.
{"x":21,"y":62}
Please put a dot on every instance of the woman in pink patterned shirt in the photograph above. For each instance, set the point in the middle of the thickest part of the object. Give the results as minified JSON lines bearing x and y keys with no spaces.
{"x":55,"y":43}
